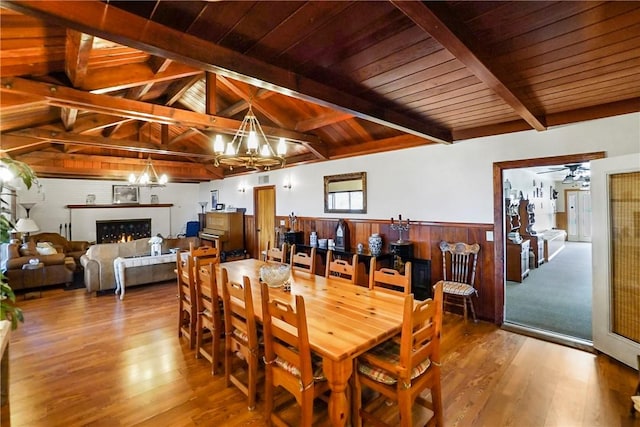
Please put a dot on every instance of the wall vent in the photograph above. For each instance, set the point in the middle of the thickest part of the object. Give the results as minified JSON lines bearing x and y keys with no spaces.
{"x":264,"y":179}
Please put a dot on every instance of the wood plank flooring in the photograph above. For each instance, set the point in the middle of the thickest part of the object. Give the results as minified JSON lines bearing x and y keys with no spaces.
{"x":85,"y":360}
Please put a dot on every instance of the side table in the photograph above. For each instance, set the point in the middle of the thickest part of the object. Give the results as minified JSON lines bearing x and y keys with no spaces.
{"x":33,"y":274}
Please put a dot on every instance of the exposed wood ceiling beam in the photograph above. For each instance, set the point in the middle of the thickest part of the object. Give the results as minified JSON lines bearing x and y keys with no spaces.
{"x":371,"y":147}
{"x":49,"y":135}
{"x":129,"y":76}
{"x":242,"y":105}
{"x":66,"y":97}
{"x":76,"y":59}
{"x":101,"y":20}
{"x":55,"y":164}
{"x":254,"y":102}
{"x":178,"y":88}
{"x":68,"y":117}
{"x":434,"y":19}
{"x":323,"y":120}
{"x":210,"y":85}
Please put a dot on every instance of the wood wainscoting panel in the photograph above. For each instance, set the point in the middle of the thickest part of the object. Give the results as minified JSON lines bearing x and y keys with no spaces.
{"x":426,"y":237}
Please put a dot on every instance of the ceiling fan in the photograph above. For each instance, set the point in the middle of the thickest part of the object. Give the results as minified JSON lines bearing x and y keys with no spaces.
{"x":577,"y":172}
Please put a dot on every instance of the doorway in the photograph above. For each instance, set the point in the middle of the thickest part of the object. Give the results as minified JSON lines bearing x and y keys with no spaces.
{"x":500,"y":250}
{"x":264,"y":207}
{"x":578,"y":215}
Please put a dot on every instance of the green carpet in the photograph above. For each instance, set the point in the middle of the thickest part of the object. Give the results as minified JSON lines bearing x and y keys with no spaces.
{"x":556,"y":296}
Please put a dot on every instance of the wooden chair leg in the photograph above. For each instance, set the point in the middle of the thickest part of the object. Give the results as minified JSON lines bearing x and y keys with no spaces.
{"x":404,"y":407}
{"x":464,"y":306}
{"x":252,"y":386}
{"x":306,"y":418}
{"x":473,"y":311}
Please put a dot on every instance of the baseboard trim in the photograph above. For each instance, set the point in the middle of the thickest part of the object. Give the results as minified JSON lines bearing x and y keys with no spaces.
{"x":565,"y":340}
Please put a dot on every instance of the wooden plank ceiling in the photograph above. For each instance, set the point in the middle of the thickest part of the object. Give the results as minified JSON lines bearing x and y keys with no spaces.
{"x":91,"y":89}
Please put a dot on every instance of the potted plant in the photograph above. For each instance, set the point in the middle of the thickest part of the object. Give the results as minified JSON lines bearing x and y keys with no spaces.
{"x":10,"y":169}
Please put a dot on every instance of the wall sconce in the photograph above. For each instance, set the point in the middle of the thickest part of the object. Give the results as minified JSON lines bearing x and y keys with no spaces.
{"x":241,"y":189}
{"x":287,"y":186}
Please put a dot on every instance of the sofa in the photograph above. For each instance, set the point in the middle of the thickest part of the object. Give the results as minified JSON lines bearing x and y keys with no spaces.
{"x":99,"y":273}
{"x":74,"y":249}
{"x":58,"y":267}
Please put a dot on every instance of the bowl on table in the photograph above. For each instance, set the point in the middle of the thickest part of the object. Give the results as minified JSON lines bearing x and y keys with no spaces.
{"x":274,"y":275}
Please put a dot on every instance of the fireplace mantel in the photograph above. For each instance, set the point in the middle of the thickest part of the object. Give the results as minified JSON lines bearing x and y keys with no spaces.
{"x":83,"y":217}
{"x":123,"y":205}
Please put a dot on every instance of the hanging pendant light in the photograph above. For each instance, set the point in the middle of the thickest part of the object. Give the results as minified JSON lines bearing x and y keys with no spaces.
{"x":249,"y":147}
{"x":148,"y":177}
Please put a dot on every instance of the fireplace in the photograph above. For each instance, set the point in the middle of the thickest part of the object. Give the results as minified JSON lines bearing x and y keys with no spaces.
{"x":122,"y":230}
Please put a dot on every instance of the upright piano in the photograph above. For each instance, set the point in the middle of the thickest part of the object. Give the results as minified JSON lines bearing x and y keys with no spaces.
{"x":227,"y":228}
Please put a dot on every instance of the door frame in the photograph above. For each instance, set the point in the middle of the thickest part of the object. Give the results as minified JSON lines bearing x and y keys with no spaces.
{"x":257,"y":249}
{"x":499,"y":220}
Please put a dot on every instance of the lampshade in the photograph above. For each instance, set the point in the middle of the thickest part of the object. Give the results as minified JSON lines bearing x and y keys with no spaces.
{"x":26,"y":225}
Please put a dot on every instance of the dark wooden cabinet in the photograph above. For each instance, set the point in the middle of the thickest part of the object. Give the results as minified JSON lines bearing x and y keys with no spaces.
{"x":527,"y":231}
{"x":517,"y":260}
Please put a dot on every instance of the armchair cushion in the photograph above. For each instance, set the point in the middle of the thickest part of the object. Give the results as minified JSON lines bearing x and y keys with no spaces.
{"x":45,"y":248}
{"x":28,"y":249}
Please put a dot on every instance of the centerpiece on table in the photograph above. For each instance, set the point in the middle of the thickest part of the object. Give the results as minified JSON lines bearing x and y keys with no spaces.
{"x":156,"y":245}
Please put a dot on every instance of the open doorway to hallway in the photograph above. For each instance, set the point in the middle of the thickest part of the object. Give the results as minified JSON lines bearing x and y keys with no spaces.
{"x":546,"y":278}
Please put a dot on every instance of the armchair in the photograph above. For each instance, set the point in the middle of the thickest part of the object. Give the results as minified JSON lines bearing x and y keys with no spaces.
{"x":70,"y":248}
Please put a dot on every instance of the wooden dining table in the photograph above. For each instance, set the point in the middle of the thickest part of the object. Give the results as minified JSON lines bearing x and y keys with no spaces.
{"x":343,"y":321}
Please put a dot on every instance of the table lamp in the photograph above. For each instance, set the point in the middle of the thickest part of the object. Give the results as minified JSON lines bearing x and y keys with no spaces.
{"x":26,"y":226}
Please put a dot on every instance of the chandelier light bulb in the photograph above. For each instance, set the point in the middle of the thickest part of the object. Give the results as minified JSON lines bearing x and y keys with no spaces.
{"x":132,"y":178}
{"x":218,"y":145}
{"x":230,"y":151}
{"x":252,"y":141}
{"x":265,"y":151}
{"x":164,"y":179}
{"x":282,"y":147}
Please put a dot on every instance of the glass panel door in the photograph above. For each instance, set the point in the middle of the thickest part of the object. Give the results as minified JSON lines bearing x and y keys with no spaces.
{"x":615,"y":191}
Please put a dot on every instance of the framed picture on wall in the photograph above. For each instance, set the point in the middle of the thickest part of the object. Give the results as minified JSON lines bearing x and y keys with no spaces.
{"x":214,"y":198}
{"x":125,"y":194}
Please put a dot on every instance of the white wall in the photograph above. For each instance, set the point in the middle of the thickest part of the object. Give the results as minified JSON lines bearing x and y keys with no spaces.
{"x":436,"y":182}
{"x":56,"y":194}
{"x":431,"y":183}
{"x":545,"y":206}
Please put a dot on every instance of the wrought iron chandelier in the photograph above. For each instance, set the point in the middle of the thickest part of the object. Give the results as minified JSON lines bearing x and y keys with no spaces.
{"x":148,"y":177}
{"x":255,"y":153}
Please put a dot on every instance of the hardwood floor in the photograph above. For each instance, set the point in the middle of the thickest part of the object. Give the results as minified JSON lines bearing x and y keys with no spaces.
{"x":85,"y":360}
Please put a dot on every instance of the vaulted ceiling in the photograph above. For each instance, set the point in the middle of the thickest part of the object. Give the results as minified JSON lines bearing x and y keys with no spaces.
{"x":90,"y":89}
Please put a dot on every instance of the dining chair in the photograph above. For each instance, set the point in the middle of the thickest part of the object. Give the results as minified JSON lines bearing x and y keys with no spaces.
{"x":288,"y":360}
{"x":204,"y":251}
{"x":401,"y":371}
{"x":342,"y":269}
{"x":187,"y":305}
{"x":276,"y":254}
{"x":389,"y":279}
{"x":209,"y":326}
{"x":459,"y":272}
{"x":241,"y":336}
{"x":303,"y":261}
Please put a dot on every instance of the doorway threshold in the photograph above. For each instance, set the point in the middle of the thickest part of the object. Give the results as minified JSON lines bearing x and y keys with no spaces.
{"x":566,"y":340}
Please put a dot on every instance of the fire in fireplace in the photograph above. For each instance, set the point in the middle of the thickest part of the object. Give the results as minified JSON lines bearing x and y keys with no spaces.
{"x":122,"y":230}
